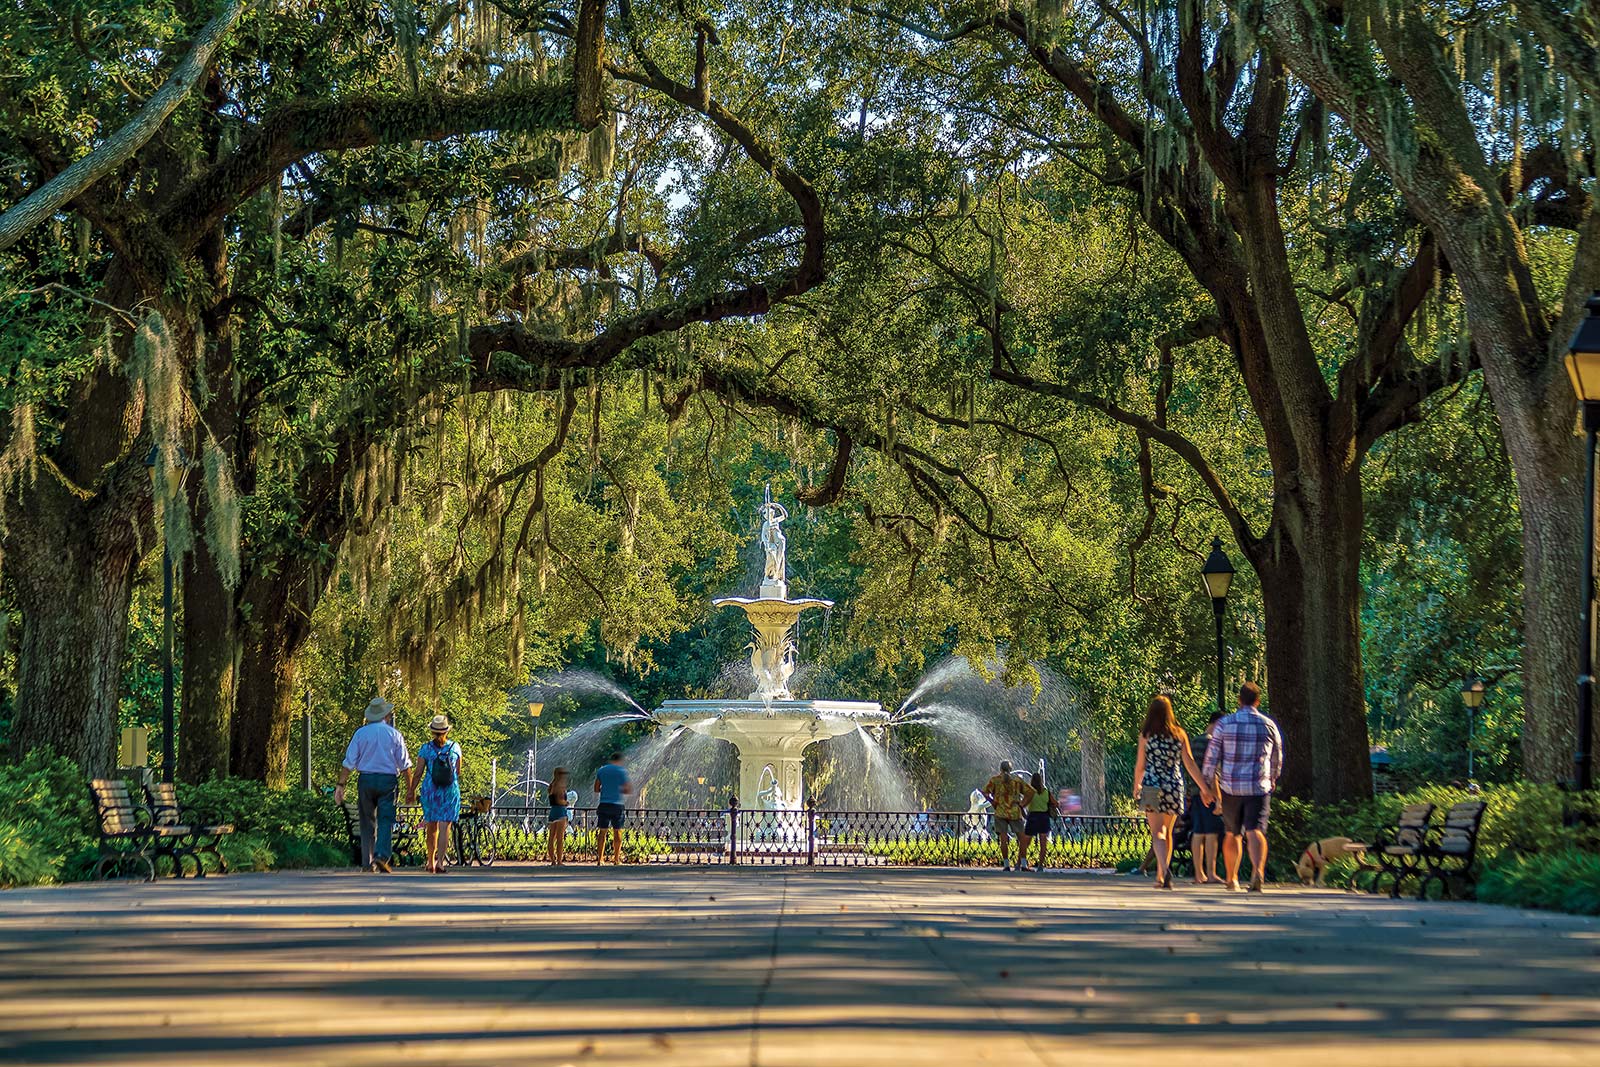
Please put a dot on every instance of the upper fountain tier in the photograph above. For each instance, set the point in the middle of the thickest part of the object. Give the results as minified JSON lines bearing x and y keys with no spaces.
{"x":772,"y":614}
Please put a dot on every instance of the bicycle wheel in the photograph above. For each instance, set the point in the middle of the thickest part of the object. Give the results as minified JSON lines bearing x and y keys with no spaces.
{"x":488,"y":850}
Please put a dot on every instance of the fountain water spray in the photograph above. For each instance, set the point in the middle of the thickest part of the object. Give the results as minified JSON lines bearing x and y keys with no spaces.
{"x":771,"y":728}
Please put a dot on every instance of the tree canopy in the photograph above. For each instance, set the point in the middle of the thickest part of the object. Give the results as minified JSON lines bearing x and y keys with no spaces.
{"x":446,"y":345}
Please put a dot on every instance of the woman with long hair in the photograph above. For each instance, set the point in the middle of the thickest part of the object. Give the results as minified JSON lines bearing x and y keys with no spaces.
{"x":556,"y":830}
{"x":1158,"y":780}
{"x":1037,"y":811}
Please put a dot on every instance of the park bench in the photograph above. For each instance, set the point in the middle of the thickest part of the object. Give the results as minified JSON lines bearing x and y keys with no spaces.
{"x":403,"y":839}
{"x":128,"y":832}
{"x":1399,"y":850}
{"x":205,"y":832}
{"x":1450,"y":852}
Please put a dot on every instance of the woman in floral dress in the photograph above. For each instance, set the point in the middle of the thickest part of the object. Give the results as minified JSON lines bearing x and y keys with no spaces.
{"x":1158,"y":780}
{"x":438,"y":770}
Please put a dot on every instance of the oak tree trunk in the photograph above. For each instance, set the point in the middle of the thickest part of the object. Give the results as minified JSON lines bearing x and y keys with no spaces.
{"x":71,"y":565}
{"x":1309,"y":566}
{"x":210,"y":666}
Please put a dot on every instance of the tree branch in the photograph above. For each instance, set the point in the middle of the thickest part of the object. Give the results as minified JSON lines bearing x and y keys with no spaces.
{"x":120,"y":146}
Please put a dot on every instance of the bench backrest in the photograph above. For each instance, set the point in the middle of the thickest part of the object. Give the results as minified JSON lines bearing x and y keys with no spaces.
{"x":115,"y":808}
{"x":163,"y":803}
{"x":1412,"y":826}
{"x":1459,"y":835}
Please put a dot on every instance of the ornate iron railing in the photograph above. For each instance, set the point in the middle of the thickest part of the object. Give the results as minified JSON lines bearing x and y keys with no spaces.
{"x":784,"y":838}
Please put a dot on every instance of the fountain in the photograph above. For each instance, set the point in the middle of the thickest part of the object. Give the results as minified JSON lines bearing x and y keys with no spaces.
{"x":771,"y":729}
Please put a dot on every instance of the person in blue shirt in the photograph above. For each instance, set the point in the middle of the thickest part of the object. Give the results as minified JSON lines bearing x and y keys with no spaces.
{"x":611,"y":782}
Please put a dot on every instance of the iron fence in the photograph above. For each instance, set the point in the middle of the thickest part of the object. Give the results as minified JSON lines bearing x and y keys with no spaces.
{"x":806,"y":837}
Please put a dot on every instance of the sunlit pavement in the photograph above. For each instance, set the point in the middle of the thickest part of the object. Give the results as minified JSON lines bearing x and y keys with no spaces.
{"x":531,"y":966}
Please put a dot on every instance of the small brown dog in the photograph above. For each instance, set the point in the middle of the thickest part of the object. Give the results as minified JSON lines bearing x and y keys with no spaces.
{"x":1313,"y":865}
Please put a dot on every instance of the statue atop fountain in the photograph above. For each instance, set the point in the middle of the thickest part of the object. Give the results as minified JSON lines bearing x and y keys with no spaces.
{"x":771,"y":728}
{"x":775,"y":574}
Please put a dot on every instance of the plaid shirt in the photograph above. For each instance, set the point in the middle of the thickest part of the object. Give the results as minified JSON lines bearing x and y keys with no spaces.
{"x":1247,"y":748}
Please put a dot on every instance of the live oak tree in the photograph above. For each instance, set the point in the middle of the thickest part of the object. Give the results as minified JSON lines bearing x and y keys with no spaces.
{"x":1227,"y":162}
{"x":1483,"y":116}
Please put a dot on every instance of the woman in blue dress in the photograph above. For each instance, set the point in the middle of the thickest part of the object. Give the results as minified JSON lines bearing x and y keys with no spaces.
{"x":438,"y":769}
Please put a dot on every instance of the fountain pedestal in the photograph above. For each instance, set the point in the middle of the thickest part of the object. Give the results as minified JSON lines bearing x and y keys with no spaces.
{"x":771,"y":734}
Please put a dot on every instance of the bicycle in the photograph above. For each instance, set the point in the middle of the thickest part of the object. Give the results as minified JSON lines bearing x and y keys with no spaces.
{"x":473,"y":839}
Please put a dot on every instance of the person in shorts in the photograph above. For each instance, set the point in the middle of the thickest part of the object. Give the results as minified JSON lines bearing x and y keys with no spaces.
{"x":1041,"y":806}
{"x":1246,"y":757}
{"x":560,"y":816}
{"x":611,"y":783}
{"x":1205,"y":822}
{"x":1009,"y":795}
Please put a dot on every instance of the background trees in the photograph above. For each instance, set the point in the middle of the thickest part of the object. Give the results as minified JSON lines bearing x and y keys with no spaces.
{"x":465,"y":334}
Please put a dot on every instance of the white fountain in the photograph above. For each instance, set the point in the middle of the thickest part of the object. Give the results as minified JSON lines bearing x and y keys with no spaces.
{"x":771,"y":728}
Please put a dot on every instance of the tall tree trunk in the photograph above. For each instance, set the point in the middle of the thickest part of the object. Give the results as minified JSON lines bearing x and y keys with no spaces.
{"x":1547,"y":461}
{"x":210,"y":666}
{"x":72,"y":567}
{"x":1309,"y":566}
{"x":1453,"y":184}
{"x":266,"y":702}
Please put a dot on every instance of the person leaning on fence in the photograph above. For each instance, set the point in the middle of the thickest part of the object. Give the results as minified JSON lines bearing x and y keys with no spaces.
{"x":611,"y":783}
{"x":1040,"y":807}
{"x":555,"y":844}
{"x":1247,"y":753}
{"x":1009,"y":795}
{"x":439,"y":772}
{"x":377,"y":753}
{"x":1158,"y":780}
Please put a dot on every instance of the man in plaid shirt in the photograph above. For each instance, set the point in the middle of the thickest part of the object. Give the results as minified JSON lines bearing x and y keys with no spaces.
{"x":1246,"y":755}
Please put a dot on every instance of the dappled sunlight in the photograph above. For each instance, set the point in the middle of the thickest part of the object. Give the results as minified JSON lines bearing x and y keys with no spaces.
{"x":673,"y":966}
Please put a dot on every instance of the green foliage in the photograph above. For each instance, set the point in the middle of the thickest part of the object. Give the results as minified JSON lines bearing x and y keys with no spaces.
{"x":1561,"y":880}
{"x":1092,"y":851}
{"x":580,"y":845}
{"x":1523,"y":821}
{"x":46,"y":820}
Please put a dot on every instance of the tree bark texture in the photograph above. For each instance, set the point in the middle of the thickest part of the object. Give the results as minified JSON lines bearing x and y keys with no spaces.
{"x":72,"y":568}
{"x":267,"y":694}
{"x":210,"y":665}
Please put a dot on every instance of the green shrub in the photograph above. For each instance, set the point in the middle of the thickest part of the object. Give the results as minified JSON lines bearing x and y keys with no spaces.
{"x":47,"y":821}
{"x":248,"y":852}
{"x":1097,"y":850}
{"x":1522,"y":819}
{"x":1564,"y":880}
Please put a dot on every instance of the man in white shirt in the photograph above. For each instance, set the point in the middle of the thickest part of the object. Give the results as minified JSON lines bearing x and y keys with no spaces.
{"x":378,"y":754}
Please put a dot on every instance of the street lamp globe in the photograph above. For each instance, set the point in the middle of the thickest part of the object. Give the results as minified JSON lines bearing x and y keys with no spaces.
{"x":535,"y":708}
{"x":1472,"y":693}
{"x":1217,"y":574}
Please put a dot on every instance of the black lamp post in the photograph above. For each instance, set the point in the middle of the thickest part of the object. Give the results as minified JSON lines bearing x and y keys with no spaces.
{"x":1218,"y":576}
{"x":1472,"y":699}
{"x":1583,"y":364}
{"x":168,"y":726}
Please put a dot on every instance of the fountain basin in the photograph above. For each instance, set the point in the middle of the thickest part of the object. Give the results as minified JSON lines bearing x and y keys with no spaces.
{"x":771,"y":734}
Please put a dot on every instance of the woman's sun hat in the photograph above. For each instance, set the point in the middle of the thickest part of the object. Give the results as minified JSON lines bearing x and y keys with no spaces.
{"x":439,"y":725}
{"x":379,"y":709}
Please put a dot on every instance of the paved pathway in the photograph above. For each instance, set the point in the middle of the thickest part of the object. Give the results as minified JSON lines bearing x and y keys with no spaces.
{"x":706,"y":967}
